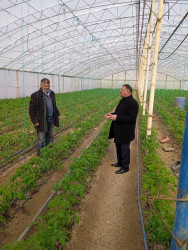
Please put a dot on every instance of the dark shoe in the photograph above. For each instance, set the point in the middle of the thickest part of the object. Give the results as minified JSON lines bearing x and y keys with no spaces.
{"x":122,"y":170}
{"x":115,"y":165}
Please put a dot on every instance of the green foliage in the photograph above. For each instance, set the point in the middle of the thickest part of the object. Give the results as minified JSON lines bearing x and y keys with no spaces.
{"x":53,"y":227}
{"x":17,"y":130}
{"x":158,"y":181}
{"x":26,"y":177}
{"x":174,"y":117}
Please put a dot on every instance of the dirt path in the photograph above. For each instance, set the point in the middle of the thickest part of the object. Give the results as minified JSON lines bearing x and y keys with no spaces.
{"x":109,"y":217}
{"x":162,"y":130}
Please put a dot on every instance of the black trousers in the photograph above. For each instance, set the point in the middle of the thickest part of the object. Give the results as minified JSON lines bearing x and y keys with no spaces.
{"x":123,"y":154}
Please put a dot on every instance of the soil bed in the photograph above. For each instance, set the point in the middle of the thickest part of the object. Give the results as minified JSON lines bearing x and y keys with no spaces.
{"x":109,"y":215}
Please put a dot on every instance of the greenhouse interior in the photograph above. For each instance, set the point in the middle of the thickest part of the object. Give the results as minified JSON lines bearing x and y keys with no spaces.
{"x":94,"y":124}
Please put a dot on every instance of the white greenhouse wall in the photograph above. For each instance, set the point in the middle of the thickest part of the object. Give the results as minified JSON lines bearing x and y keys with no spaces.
{"x":14,"y":84}
{"x":162,"y":81}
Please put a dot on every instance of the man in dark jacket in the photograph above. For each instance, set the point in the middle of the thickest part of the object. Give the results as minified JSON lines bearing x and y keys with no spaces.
{"x":123,"y":127}
{"x":44,"y":114}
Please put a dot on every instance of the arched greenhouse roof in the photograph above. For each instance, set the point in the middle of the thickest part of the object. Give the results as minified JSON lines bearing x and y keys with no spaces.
{"x":91,"y":38}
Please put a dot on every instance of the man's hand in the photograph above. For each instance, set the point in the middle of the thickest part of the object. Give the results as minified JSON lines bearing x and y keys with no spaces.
{"x":59,"y":117}
{"x":107,"y":115}
{"x":113,"y":117}
{"x":110,"y":116}
{"x":36,"y":124}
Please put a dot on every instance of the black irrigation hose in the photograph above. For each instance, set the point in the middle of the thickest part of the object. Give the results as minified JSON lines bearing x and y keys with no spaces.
{"x":21,"y":150}
{"x":10,"y":156}
{"x":36,"y":216}
{"x":138,"y":193}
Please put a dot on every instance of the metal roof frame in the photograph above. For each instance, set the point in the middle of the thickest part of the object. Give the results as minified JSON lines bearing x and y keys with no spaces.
{"x":73,"y":36}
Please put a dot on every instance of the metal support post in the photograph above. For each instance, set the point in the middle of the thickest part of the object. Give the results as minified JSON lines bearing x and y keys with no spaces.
{"x":181,"y":215}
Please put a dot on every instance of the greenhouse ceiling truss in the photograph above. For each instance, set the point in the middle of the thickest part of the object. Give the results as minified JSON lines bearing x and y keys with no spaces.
{"x":91,"y":39}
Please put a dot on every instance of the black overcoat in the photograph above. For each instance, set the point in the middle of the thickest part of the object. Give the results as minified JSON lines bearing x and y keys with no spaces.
{"x":123,"y":129}
{"x":38,"y":110}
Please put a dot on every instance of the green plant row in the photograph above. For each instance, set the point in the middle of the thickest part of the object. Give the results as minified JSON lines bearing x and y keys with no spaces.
{"x":167,"y":97}
{"x":158,"y":181}
{"x":173,"y":117}
{"x":176,"y":126}
{"x":26,"y":177}
{"x":14,"y":111}
{"x":53,"y":228}
{"x":174,"y":111}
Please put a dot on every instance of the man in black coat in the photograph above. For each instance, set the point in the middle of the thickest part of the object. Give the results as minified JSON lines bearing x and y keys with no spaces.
{"x":123,"y":127}
{"x":44,"y":114}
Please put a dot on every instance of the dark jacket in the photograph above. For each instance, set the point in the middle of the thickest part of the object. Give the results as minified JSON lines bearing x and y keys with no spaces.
{"x":123,"y":129}
{"x":38,"y":110}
